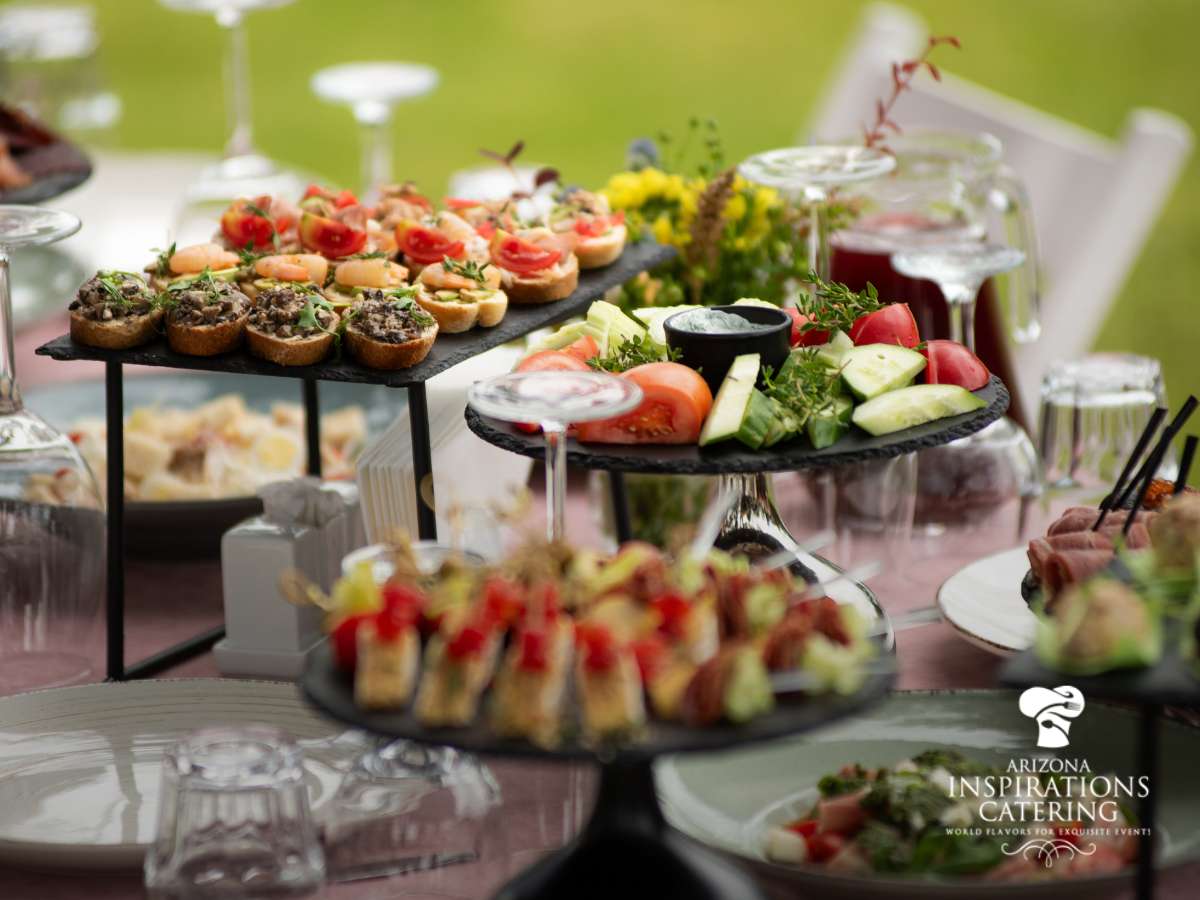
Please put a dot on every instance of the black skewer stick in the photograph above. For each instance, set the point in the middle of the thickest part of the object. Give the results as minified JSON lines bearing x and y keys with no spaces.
{"x":1135,"y":457}
{"x":1168,"y":435}
{"x":1152,"y":464}
{"x":1185,"y":463}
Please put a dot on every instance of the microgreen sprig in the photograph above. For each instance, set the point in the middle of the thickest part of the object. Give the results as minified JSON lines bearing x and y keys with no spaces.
{"x":162,"y":261}
{"x":468,"y":268}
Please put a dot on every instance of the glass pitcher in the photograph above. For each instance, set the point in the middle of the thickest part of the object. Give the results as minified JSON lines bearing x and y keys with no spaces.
{"x":947,"y":187}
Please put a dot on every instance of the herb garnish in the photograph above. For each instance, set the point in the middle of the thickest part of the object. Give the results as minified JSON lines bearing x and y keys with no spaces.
{"x":831,"y":306}
{"x":308,"y":315}
{"x":468,"y":268}
{"x":804,"y":385}
{"x":112,"y":282}
{"x":162,"y":262}
{"x":634,"y":351}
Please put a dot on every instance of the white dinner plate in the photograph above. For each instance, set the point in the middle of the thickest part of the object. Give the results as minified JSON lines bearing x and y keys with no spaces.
{"x":983,"y":603}
{"x":80,"y":766}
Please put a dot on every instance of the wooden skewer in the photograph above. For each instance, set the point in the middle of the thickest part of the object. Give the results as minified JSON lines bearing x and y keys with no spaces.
{"x":1138,"y":449}
{"x":1185,"y":464}
{"x":1164,"y":442}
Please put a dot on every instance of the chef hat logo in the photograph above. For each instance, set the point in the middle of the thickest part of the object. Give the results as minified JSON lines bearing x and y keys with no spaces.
{"x":1052,"y":709}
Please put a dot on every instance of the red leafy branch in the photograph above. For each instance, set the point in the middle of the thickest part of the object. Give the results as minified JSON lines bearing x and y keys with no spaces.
{"x":902,"y":76}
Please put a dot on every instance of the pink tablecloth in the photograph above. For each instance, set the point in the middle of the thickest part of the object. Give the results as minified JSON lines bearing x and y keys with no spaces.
{"x":930,"y":657}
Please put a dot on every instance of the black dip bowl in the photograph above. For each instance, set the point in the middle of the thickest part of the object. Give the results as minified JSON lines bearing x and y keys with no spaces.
{"x":712,"y":354}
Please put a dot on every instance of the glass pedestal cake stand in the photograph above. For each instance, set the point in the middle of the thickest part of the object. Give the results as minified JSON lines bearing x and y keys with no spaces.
{"x":752,"y":524}
{"x":626,"y":848}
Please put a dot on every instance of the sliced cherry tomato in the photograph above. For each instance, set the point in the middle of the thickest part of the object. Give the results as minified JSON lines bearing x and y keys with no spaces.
{"x":584,"y":349}
{"x":457,"y":203}
{"x":552,"y":361}
{"x":824,"y":846}
{"x":595,"y":226}
{"x":426,"y":245}
{"x":502,"y":600}
{"x":675,"y":403}
{"x":952,"y":363}
{"x":403,"y":599}
{"x":598,"y":646}
{"x":672,"y":609}
{"x":533,"y":646}
{"x":340,"y":199}
{"x":650,"y":653}
{"x":243,"y":225}
{"x":345,"y":640}
{"x":521,"y":256}
{"x":486,"y":230}
{"x":804,"y":827}
{"x":329,"y":237}
{"x":544,"y":601}
{"x":893,"y":324}
{"x":799,"y":337}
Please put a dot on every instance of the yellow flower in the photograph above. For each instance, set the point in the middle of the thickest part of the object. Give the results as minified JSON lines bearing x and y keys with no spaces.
{"x":663,"y":232}
{"x":654,"y":181}
{"x":765,"y":199}
{"x":624,"y":191}
{"x":674,"y":187}
{"x":735,"y":209}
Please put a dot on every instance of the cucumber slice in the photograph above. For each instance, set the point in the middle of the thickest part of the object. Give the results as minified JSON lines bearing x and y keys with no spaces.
{"x":827,"y":427}
{"x":834,"y":352}
{"x":874,"y":369}
{"x":612,"y":322}
{"x":754,"y":301}
{"x":654,"y":322}
{"x":733,"y":397}
{"x":914,"y":405}
{"x":568,"y":335}
{"x":229,"y":274}
{"x":757,"y":421}
{"x":784,"y":424}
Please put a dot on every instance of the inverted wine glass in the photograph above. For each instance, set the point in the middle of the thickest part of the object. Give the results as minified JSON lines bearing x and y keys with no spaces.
{"x":372,"y":90}
{"x":51,"y":524}
{"x":243,"y":171}
{"x":995,"y":472}
{"x":554,"y":400}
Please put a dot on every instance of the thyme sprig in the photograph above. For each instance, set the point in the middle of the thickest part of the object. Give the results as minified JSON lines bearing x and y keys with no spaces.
{"x":804,"y":385}
{"x":831,"y":306}
{"x":633,"y":351}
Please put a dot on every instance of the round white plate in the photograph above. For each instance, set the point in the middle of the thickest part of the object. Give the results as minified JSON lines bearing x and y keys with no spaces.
{"x":80,"y":766}
{"x":983,"y":603}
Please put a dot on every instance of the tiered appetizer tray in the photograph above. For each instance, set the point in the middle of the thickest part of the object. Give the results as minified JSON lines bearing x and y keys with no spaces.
{"x":447,"y":351}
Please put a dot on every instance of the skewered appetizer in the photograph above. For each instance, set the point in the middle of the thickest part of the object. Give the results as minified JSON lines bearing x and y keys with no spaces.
{"x":570,"y":641}
{"x":386,"y":329}
{"x":461,"y":294}
{"x":205,"y":315}
{"x":291,"y":325}
{"x":114,"y":310}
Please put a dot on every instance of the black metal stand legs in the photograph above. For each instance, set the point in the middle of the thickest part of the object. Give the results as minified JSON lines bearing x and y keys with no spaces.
{"x":627,"y":850}
{"x":1148,"y":732}
{"x":418,"y":418}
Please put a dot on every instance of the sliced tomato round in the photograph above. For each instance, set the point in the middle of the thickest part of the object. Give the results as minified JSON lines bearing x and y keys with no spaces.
{"x":799,"y":337}
{"x":486,"y":230}
{"x":595,"y":226}
{"x":893,"y":324}
{"x":244,"y":223}
{"x":952,"y":363}
{"x":427,"y":245}
{"x":675,"y":402}
{"x":329,"y":237}
{"x":584,"y":349}
{"x":521,"y":256}
{"x":824,"y":846}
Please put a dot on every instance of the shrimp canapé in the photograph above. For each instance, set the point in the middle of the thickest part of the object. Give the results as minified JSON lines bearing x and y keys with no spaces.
{"x":198,"y":257}
{"x":375,"y":272}
{"x":293,"y":267}
{"x":460,"y":276}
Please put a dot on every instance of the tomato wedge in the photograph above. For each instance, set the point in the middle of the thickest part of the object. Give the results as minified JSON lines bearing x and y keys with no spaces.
{"x":552,"y":361}
{"x":426,"y":245}
{"x":585,"y":348}
{"x":676,"y":402}
{"x":952,"y":363}
{"x":521,"y":256}
{"x":799,"y":337}
{"x":329,"y":237}
{"x":244,"y":223}
{"x":893,"y":324}
{"x":340,"y":199}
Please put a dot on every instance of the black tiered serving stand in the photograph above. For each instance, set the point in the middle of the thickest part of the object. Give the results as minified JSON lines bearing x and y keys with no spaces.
{"x":449,"y":350}
{"x":626,"y":848}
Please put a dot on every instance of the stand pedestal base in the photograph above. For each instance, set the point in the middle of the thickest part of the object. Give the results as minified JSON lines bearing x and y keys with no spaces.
{"x":627,"y":852}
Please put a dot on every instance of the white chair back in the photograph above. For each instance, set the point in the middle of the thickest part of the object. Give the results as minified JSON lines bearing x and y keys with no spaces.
{"x":1094,"y":199}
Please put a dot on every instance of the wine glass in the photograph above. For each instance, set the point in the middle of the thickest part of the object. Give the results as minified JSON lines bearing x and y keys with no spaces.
{"x":51,"y":524}
{"x":243,"y":171}
{"x":554,"y":400}
{"x":372,"y":90}
{"x":809,"y":174}
{"x":977,"y":479}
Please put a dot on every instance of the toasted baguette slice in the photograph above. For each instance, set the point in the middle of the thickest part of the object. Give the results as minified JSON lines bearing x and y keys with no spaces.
{"x":206,"y":340}
{"x":450,"y":689}
{"x":453,"y":315}
{"x":293,"y":351}
{"x":492,"y":309}
{"x":115,"y":334}
{"x":545,"y":288}
{"x":611,"y":704}
{"x":387,"y":670}
{"x":600,"y":251}
{"x":530,"y":704}
{"x":381,"y":355}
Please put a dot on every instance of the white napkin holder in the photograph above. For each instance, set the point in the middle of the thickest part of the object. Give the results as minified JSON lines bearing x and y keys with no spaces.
{"x":305,"y":525}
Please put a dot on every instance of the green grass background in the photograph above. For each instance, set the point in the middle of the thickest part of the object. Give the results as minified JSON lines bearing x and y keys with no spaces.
{"x":576,"y":80}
